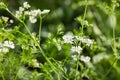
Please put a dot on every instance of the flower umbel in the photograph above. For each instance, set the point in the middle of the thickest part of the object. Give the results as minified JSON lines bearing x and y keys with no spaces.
{"x":68,"y":38}
{"x":74,"y":57}
{"x":9,"y":44}
{"x":4,"y":47}
{"x":77,"y":49}
{"x":32,"y":19}
{"x":26,"y":5}
{"x":85,"y":58}
{"x":5,"y":19}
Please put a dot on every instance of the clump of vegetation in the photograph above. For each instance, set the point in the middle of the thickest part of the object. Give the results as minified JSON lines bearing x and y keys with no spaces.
{"x":32,"y":49}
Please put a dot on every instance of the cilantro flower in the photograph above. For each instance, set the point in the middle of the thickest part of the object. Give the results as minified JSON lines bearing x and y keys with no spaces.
{"x":77,"y":49}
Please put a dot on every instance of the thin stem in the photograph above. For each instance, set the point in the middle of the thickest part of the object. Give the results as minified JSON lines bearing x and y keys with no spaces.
{"x":114,"y":47}
{"x":84,"y":15}
{"x":40,"y":26}
{"x":115,"y":61}
{"x":114,"y":43}
{"x":78,"y":56}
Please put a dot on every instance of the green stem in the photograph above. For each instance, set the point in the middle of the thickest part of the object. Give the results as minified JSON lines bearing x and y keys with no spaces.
{"x":114,"y":47}
{"x":114,"y":43}
{"x":84,"y":15}
{"x":115,"y":61}
{"x":40,"y":26}
{"x":78,"y":56}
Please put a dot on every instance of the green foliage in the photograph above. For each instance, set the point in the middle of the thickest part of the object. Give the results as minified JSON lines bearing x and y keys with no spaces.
{"x":74,"y":40}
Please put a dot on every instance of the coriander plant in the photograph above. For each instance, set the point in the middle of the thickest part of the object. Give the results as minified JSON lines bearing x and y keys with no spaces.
{"x":58,"y":54}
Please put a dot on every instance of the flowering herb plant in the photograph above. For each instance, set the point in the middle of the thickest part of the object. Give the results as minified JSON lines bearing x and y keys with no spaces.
{"x":26,"y":54}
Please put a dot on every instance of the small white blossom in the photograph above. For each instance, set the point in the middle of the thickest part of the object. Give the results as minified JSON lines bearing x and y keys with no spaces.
{"x":5,"y":18}
{"x":85,"y":58}
{"x":77,"y":49}
{"x":74,"y":57}
{"x":68,"y":38}
{"x":4,"y":50}
{"x":18,"y":14}
{"x":32,"y":19}
{"x":87,"y":41}
{"x":26,"y":5}
{"x":45,"y":11}
{"x":21,"y":9}
{"x":27,"y":13}
{"x":9,"y":44}
{"x":11,"y":21}
{"x":35,"y":12}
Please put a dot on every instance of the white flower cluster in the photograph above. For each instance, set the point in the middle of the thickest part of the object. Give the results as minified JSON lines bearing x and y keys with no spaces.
{"x":70,"y":38}
{"x":21,"y":10}
{"x":74,"y":57}
{"x":5,"y":19}
{"x":4,"y":47}
{"x":85,"y":58}
{"x":32,"y":14}
{"x":77,"y":49}
{"x":82,"y":58}
{"x":87,"y":41}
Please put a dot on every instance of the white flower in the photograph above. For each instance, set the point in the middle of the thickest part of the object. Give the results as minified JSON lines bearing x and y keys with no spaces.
{"x":74,"y":57}
{"x":26,"y":5}
{"x":27,"y":13}
{"x":35,"y":12}
{"x":32,"y":19}
{"x":85,"y":59}
{"x":4,"y":50}
{"x":21,"y":9}
{"x":68,"y":38}
{"x":45,"y":11}
{"x":87,"y":41}
{"x":11,"y":21}
{"x":18,"y":14}
{"x":77,"y":49}
{"x":9,"y":44}
{"x":5,"y":18}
